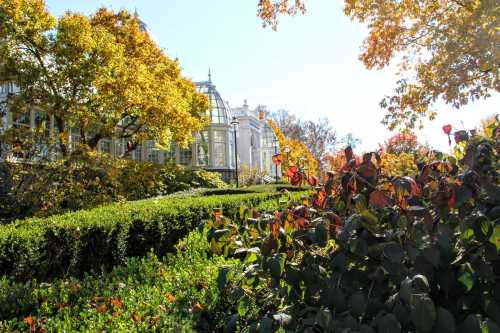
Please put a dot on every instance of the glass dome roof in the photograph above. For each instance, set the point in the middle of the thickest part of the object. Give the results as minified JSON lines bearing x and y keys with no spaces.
{"x":219,"y":112}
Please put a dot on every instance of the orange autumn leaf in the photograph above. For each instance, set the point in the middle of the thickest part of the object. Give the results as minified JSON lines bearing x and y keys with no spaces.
{"x":101,"y":308}
{"x":275,"y":229}
{"x":117,"y":303}
{"x":198,"y":307}
{"x":136,"y":317}
{"x":320,"y":199}
{"x":379,"y":199}
{"x":302,"y":222}
{"x":217,"y":212}
{"x":29,"y":320}
{"x":171,"y":298}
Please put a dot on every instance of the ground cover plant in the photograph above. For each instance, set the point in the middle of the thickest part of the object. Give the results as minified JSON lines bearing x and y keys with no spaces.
{"x":177,"y":294}
{"x":371,"y":253}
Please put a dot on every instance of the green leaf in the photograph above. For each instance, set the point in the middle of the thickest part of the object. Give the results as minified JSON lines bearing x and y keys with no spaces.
{"x":221,"y":234}
{"x":432,"y":255}
{"x":423,"y":313}
{"x":243,"y":306}
{"x":266,"y":325}
{"x":358,"y":304}
{"x":406,"y":290}
{"x":366,"y":329}
{"x":470,"y":325}
{"x":222,"y":277}
{"x":492,"y":309}
{"x":483,"y":228}
{"x":252,"y":255}
{"x":388,"y":324}
{"x":495,"y":237}
{"x":466,"y":277}
{"x":394,"y":253}
{"x":324,"y":319}
{"x":276,"y":265}
{"x":285,"y":320}
{"x":321,"y":234}
{"x":359,"y":247}
{"x":445,"y":322}
{"x":492,"y":327}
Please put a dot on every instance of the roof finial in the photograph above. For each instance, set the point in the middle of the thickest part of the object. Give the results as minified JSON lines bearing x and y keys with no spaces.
{"x":209,"y":75}
{"x":136,"y":14}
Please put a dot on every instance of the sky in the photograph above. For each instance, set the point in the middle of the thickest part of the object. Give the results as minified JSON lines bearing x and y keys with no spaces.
{"x":309,"y":66}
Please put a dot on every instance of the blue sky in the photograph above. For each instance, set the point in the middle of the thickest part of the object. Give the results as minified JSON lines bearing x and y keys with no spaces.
{"x":309,"y":66}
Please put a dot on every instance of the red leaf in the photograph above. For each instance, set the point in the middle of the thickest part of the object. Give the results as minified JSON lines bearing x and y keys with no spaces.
{"x":277,"y":159}
{"x":379,"y":199}
{"x":312,"y":180}
{"x":292,"y":171}
{"x":451,"y":198}
{"x":302,"y":222}
{"x":320,"y":199}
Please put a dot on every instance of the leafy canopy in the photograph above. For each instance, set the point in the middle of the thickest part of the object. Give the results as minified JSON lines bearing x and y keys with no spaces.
{"x":447,"y":50}
{"x":99,"y":75}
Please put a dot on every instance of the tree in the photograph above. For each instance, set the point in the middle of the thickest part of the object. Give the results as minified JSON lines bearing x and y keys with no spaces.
{"x":447,"y":50}
{"x":319,"y":137}
{"x":100,"y":76}
{"x":298,"y":154}
{"x":288,"y":123}
{"x":403,"y":142}
{"x":351,"y":141}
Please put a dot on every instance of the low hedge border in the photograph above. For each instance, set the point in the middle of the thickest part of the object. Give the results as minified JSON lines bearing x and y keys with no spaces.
{"x":98,"y":239}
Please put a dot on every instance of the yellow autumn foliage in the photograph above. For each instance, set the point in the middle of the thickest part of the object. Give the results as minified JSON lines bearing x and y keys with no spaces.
{"x":402,"y":164}
{"x":298,"y":154}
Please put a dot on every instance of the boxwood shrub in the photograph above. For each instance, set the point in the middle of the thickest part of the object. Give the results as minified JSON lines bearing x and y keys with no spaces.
{"x":96,"y":240}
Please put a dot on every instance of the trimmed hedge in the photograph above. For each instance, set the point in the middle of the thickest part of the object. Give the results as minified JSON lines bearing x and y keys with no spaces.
{"x":98,"y":239}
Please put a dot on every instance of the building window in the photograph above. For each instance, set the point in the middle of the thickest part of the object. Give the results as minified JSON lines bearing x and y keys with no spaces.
{"x":169,"y":155}
{"x":202,"y":148}
{"x":137,"y":153}
{"x":105,"y":146}
{"x":154,"y":156}
{"x":219,"y":151}
{"x":21,"y":120}
{"x":186,"y":156}
{"x":120,"y":147}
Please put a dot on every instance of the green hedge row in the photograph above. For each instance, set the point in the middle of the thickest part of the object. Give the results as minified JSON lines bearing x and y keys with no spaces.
{"x":256,"y":189}
{"x":98,"y":239}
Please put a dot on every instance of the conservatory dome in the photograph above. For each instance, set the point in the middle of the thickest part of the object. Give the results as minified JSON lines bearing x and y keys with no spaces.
{"x":219,"y":111}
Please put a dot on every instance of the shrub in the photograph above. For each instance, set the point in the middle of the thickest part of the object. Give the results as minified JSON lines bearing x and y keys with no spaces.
{"x":88,"y":179}
{"x":177,"y":294}
{"x":100,"y":238}
{"x":249,"y":176}
{"x":408,"y":254}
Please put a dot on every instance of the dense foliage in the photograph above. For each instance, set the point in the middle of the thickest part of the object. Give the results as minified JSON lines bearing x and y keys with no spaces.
{"x":96,"y":76}
{"x":87,"y":180}
{"x":298,"y":154}
{"x":447,"y":50}
{"x":373,"y":254}
{"x":179,"y":294}
{"x":100,"y":238}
